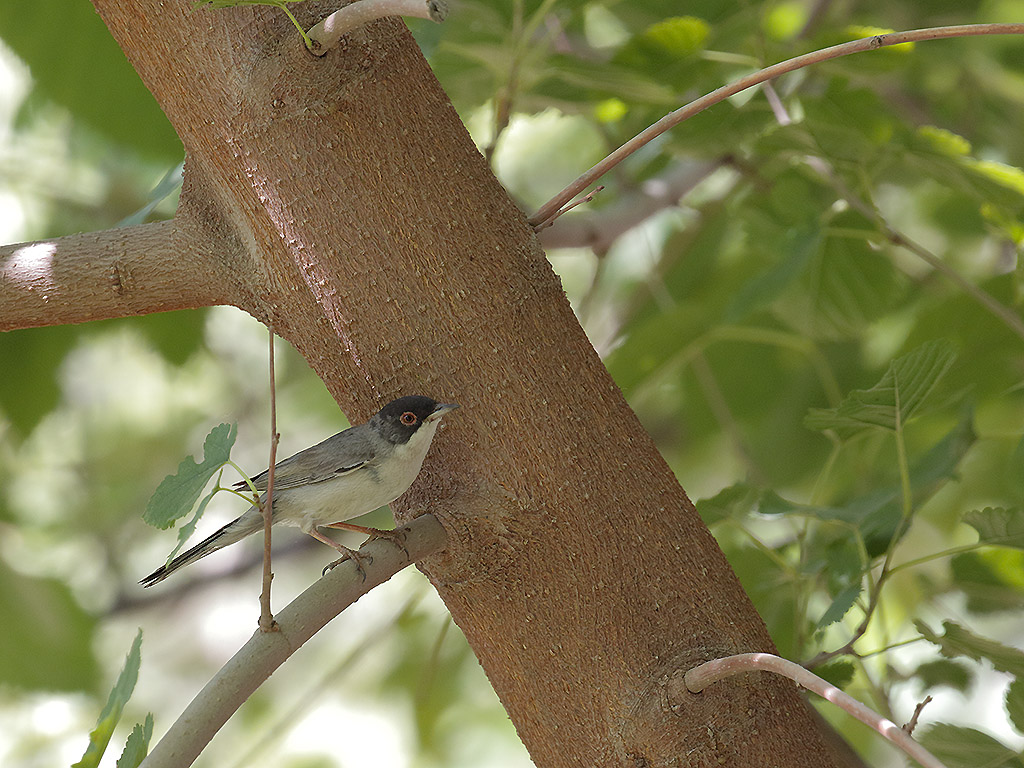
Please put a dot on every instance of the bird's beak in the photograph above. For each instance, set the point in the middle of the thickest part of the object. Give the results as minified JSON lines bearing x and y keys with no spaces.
{"x":441,"y":409}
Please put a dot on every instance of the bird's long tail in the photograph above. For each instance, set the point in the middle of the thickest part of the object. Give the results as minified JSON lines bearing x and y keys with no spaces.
{"x":236,"y":530}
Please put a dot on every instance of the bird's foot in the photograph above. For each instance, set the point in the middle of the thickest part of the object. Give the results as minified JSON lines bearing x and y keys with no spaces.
{"x":396,"y":536}
{"x":349,"y":554}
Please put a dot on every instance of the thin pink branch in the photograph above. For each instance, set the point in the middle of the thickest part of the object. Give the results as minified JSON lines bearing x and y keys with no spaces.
{"x":700,"y":677}
{"x":328,"y":32}
{"x":673,"y":119}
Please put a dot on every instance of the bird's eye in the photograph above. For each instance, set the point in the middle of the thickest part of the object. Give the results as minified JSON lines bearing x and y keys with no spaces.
{"x":408,"y":418}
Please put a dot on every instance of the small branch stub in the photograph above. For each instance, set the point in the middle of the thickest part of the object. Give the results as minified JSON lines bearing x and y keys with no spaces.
{"x":328,"y":32}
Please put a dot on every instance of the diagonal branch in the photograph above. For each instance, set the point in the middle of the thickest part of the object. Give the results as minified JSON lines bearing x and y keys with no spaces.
{"x":298,"y":622}
{"x":554,"y":205}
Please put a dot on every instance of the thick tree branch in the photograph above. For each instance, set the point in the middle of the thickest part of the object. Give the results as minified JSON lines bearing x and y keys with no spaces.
{"x":298,"y":622}
{"x":114,"y":273}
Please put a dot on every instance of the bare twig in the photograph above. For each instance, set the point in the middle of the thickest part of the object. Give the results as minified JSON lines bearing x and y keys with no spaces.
{"x":297,"y":623}
{"x":328,"y":32}
{"x":912,"y":723}
{"x":700,"y":677}
{"x":267,"y":623}
{"x":585,"y":199}
{"x":673,"y":119}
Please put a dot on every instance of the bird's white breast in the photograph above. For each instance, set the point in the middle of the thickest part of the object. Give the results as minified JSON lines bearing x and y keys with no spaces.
{"x":371,"y":486}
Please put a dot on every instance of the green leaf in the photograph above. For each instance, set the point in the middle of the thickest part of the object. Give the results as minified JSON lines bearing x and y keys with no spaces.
{"x":998,"y":526}
{"x":800,"y":246}
{"x":909,"y":380}
{"x":186,"y":531}
{"x":932,"y":674}
{"x":137,"y":746}
{"x":1014,"y":703}
{"x":178,"y":493}
{"x":992,"y":580}
{"x":90,"y":77}
{"x":958,"y":641}
{"x":967,"y":748}
{"x":842,"y":604}
{"x":111,"y":714}
{"x":47,"y":643}
{"x":735,"y":501}
{"x":838,"y":673}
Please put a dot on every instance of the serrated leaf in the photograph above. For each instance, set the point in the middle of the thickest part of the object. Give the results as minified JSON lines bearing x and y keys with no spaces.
{"x":178,"y":493}
{"x":998,"y":526}
{"x":841,"y":605}
{"x":111,"y":714}
{"x":957,"y":641}
{"x":137,"y":746}
{"x":932,"y":674}
{"x":960,"y":747}
{"x":1014,"y":703}
{"x":908,"y":382}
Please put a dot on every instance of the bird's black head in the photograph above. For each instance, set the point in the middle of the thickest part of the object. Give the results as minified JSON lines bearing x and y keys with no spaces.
{"x":400,"y":419}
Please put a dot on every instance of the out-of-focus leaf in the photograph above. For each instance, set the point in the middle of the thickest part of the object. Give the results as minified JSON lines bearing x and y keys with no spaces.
{"x":178,"y":493}
{"x":733,"y":502}
{"x":30,"y":359}
{"x":1014,"y":703}
{"x":111,"y":714}
{"x":137,"y":746}
{"x":838,"y":673}
{"x":992,"y":580}
{"x":904,"y":386}
{"x":957,"y":641}
{"x":960,"y":747}
{"x":48,"y":641}
{"x":81,"y":76}
{"x":998,"y":526}
{"x":953,"y":674}
{"x":764,"y":288}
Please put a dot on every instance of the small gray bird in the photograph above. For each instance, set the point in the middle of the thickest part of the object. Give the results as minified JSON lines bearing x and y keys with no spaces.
{"x":347,"y":475}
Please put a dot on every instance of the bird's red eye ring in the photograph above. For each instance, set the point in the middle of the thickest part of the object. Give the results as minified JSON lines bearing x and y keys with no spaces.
{"x":408,"y":418}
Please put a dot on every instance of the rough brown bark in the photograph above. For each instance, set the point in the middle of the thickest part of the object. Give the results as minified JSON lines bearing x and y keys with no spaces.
{"x":350,"y":208}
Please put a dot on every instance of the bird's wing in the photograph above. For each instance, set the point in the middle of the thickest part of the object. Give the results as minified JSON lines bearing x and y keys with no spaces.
{"x":336,"y":456}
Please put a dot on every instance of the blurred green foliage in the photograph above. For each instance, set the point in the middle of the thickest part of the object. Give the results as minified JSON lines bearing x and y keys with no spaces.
{"x":858,"y":243}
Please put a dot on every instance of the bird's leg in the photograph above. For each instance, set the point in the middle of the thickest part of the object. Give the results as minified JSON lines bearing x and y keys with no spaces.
{"x":346,"y":553}
{"x":396,"y":536}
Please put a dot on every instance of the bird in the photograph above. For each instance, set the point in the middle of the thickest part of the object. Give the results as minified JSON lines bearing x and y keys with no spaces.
{"x":345,"y":476}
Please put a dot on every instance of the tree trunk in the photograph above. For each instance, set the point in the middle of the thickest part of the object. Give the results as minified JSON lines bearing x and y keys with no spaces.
{"x":346,"y":204}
